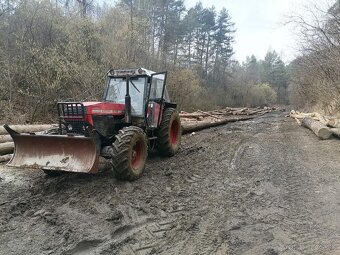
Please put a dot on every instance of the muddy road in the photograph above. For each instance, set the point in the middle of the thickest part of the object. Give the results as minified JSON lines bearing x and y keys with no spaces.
{"x":264,"y":186}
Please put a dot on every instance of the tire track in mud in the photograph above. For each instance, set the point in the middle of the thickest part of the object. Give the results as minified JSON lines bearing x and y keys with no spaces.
{"x":291,"y":227}
{"x":189,"y":223}
{"x":306,"y":234}
{"x":299,"y":198}
{"x":207,"y":238}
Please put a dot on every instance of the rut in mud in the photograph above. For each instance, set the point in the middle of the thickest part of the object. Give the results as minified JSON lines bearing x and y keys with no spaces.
{"x":263,"y":186}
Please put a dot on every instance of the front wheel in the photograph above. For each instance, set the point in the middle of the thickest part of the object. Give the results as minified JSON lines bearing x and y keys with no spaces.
{"x":170,"y":132}
{"x":129,"y":153}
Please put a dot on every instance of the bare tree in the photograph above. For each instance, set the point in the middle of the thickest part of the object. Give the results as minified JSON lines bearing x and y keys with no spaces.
{"x":315,"y":74}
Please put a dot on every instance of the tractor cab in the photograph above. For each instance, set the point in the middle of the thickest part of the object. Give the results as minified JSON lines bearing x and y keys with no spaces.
{"x":116,"y":92}
{"x":145,"y":90}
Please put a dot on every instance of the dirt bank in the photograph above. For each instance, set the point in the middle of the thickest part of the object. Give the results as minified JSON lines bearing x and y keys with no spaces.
{"x":264,"y":186}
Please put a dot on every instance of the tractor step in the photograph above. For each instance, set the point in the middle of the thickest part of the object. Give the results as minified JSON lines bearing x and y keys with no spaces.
{"x":152,"y":138}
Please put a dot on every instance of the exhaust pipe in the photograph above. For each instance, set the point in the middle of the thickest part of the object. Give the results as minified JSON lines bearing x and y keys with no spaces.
{"x":127,"y":101}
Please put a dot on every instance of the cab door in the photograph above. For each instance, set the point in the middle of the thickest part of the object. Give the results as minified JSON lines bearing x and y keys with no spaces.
{"x":155,"y":100}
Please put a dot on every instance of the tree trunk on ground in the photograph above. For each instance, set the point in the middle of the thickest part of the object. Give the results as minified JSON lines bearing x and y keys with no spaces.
{"x":5,"y":138}
{"x":6,"y":148}
{"x":190,"y":115}
{"x":26,"y":128}
{"x":336,"y":131}
{"x":333,"y":123}
{"x":321,"y":130}
{"x":208,"y":114}
{"x":191,"y":127}
{"x":255,"y":112}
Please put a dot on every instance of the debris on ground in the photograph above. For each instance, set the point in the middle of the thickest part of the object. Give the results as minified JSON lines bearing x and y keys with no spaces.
{"x":323,"y":126}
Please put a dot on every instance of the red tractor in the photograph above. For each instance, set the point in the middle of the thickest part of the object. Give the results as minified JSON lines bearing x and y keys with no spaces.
{"x":136,"y":114}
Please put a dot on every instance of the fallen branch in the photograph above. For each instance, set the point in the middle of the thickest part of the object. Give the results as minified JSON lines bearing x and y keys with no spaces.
{"x":26,"y":128}
{"x":298,"y":121}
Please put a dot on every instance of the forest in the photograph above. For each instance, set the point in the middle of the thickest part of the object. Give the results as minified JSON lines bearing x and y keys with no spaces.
{"x":61,"y":50}
{"x":314,"y":76}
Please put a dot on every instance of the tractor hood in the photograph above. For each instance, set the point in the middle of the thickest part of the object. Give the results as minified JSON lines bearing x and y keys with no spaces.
{"x":104,"y":108}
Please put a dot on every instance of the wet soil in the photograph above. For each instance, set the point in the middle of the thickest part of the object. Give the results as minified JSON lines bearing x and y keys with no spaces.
{"x":264,"y":186}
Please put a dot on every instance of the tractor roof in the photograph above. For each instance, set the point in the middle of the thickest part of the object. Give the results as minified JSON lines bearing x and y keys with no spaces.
{"x":130,"y":71}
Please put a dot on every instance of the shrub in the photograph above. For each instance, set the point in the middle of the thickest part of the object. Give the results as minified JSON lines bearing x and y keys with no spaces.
{"x":262,"y":95}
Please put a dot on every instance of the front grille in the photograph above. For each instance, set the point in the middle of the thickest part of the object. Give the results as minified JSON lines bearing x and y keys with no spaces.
{"x":71,"y":118}
{"x":71,"y":110}
{"x":74,"y":127}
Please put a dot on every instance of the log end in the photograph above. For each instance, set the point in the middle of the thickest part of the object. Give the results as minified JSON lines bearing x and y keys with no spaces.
{"x":324,"y":133}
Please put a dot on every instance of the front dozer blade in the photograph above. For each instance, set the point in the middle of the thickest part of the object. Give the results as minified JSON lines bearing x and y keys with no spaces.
{"x":55,"y":152}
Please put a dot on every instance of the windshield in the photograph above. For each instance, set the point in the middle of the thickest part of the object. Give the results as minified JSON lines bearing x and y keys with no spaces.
{"x":117,"y":91}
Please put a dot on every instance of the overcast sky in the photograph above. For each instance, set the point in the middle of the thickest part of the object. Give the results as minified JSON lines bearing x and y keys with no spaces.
{"x":259,"y":24}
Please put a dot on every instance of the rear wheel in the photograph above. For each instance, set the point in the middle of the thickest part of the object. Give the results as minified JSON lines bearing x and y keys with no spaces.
{"x":129,"y":153}
{"x":169,"y":135}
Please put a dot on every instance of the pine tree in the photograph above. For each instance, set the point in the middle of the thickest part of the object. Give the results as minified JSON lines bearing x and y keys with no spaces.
{"x":223,"y":39}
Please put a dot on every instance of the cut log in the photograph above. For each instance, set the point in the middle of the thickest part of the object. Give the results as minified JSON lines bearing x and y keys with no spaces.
{"x":221,"y":113}
{"x":6,"y":148}
{"x":254,"y":112}
{"x":321,"y":130}
{"x":211,"y":115}
{"x":333,"y":123}
{"x":242,"y":111}
{"x":6,"y":157}
{"x":191,"y":127}
{"x":263,"y":113}
{"x":8,"y":138}
{"x":192,"y":115}
{"x":302,"y":116}
{"x":26,"y":128}
{"x":236,"y":109}
{"x":5,"y":138}
{"x":336,"y":131}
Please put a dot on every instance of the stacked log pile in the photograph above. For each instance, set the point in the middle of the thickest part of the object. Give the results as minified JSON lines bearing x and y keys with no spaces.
{"x":191,"y":122}
{"x":199,"y":120}
{"x":322,"y":126}
{"x":6,"y":142}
